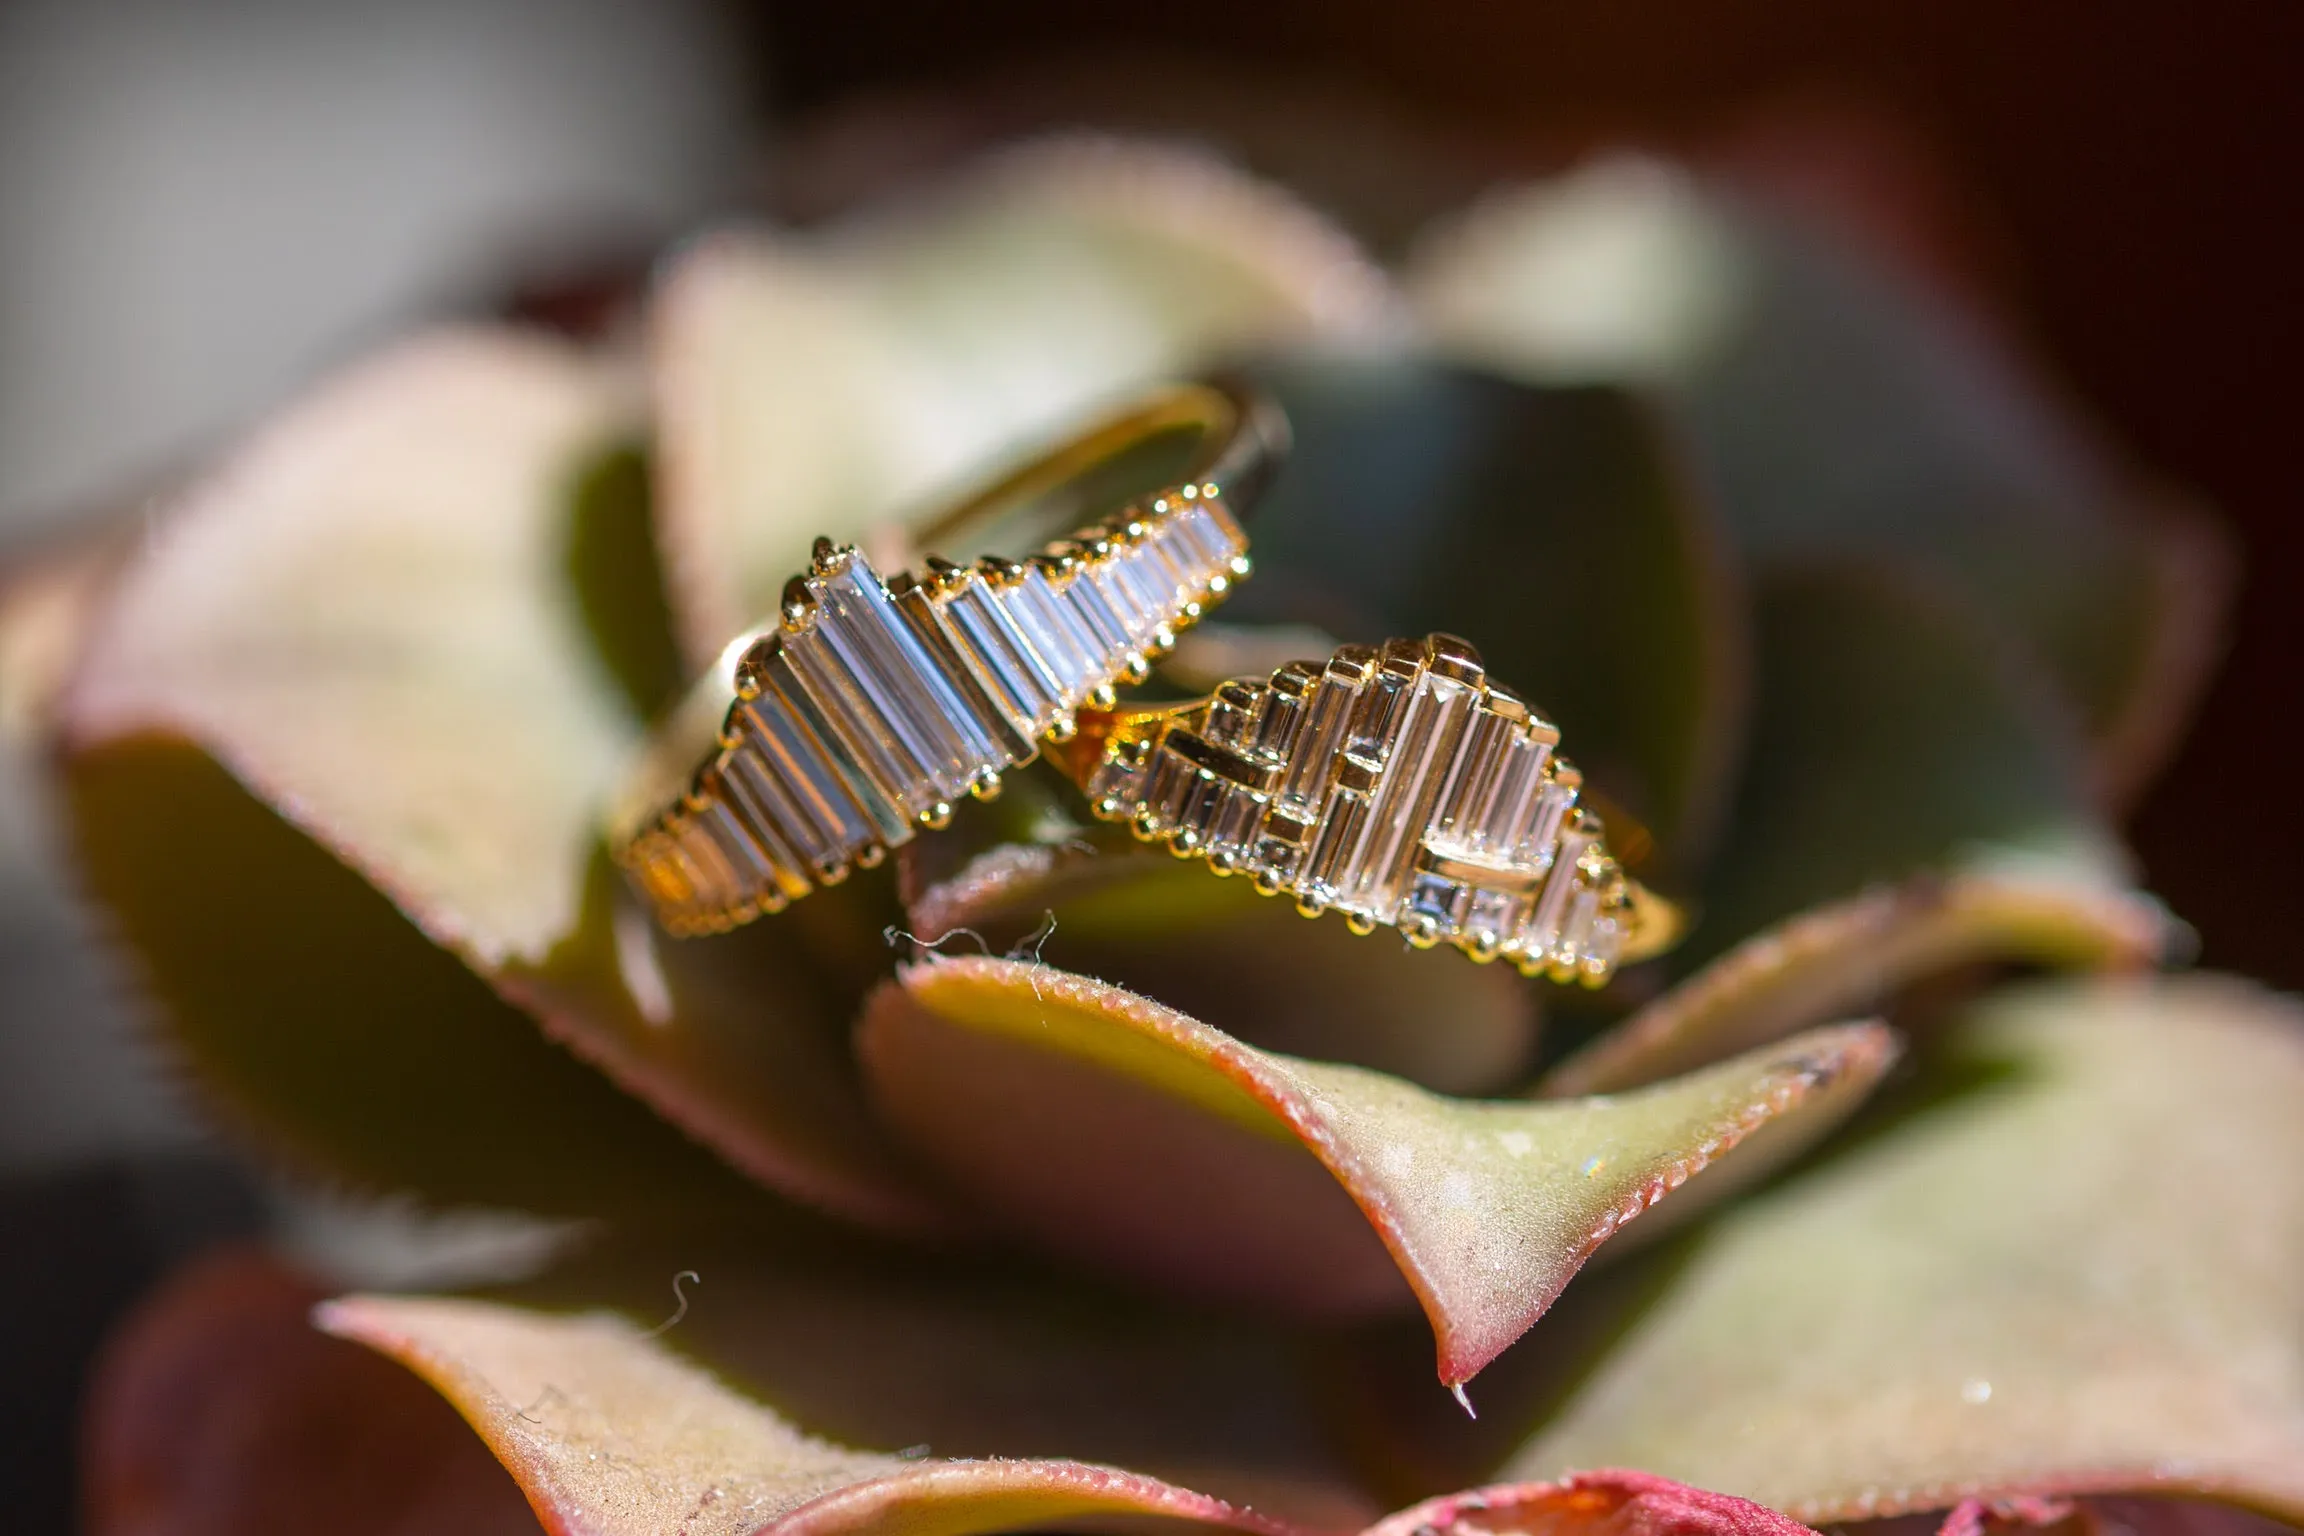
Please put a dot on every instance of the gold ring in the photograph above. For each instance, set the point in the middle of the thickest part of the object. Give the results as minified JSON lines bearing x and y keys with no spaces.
{"x":1397,"y":786}
{"x":825,"y":738}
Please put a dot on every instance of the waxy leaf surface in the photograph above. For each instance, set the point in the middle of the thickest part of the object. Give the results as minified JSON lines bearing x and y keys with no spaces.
{"x":1245,"y":964}
{"x":1555,"y":529}
{"x":823,"y":384}
{"x":609,"y":1432}
{"x":1105,"y":1125}
{"x":1890,"y":736}
{"x":363,"y":628}
{"x":1609,"y":1503}
{"x":969,"y":1353}
{"x":1841,"y":410}
{"x":2073,"y":1269}
{"x":1842,"y":957}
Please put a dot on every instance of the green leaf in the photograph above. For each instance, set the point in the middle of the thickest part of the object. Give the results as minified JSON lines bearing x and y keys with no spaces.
{"x":1240,"y":962}
{"x":1890,"y":735}
{"x":609,"y":1432}
{"x":332,"y":1034}
{"x":2073,"y":1270}
{"x":365,"y":621}
{"x":972,"y":1354}
{"x":823,"y":384}
{"x":1841,"y":412}
{"x":1104,"y":1125}
{"x":1553,"y":528}
{"x":1842,"y":957}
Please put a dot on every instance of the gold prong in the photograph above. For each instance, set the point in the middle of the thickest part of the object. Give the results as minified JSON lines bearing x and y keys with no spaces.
{"x":870,"y":855}
{"x":937,"y":817}
{"x":1359,"y":923}
{"x":986,"y":784}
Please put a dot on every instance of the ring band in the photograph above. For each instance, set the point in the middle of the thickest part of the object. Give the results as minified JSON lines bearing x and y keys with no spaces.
{"x":1397,"y":786}
{"x":824,"y":739}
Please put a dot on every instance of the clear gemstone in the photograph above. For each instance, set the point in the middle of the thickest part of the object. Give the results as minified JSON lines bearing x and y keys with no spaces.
{"x":1576,"y":928}
{"x":1081,"y":596}
{"x":1059,"y":639}
{"x":794,"y":768}
{"x":1431,"y":726}
{"x":1335,"y":853}
{"x":988,"y":636}
{"x":788,"y":866}
{"x":1550,"y":807}
{"x":1236,"y":821}
{"x":1306,"y":783}
{"x":1439,"y":898}
{"x":1543,"y":931}
{"x":882,"y":689}
{"x":1492,"y":912}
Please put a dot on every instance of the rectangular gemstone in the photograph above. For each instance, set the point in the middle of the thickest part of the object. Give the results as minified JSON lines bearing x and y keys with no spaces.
{"x":1543,"y":932}
{"x":1164,"y":788}
{"x":1336,"y":850}
{"x":1229,"y":713}
{"x":1430,"y":732}
{"x":1080,"y":596}
{"x":1170,"y":573}
{"x":988,"y":636}
{"x":1438,"y":898}
{"x":1576,"y":928}
{"x":1279,"y":710}
{"x":1236,"y":820}
{"x":882,"y":690}
{"x":716,"y":883}
{"x":788,"y":762}
{"x":788,"y":864}
{"x":1306,"y":781}
{"x":753,"y":874}
{"x":1549,"y":808}
{"x":1496,"y":913}
{"x":1060,"y":640}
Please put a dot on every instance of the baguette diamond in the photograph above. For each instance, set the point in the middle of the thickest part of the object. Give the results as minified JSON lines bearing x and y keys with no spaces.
{"x":1397,"y":787}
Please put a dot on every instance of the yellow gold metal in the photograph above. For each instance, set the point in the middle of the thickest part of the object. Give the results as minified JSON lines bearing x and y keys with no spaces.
{"x":1399,"y":786}
{"x":867,"y":707}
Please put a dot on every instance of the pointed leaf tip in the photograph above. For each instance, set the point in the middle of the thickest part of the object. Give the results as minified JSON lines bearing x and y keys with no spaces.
{"x":1109,"y":1126}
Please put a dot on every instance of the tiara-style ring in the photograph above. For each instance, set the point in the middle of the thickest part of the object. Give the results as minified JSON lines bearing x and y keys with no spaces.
{"x":1399,"y":787}
{"x":870,"y":706}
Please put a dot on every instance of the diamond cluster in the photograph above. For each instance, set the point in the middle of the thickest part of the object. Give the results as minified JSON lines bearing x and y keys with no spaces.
{"x":877,"y":704}
{"x":1397,"y":786}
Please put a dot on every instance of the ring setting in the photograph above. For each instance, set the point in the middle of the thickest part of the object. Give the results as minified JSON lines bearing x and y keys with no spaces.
{"x":1397,"y":786}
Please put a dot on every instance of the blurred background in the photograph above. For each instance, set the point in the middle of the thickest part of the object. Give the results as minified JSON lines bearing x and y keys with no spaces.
{"x":204,"y":202}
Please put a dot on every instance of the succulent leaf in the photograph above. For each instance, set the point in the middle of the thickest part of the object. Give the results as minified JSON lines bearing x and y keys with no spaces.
{"x":975,"y":1354}
{"x":1245,"y":964}
{"x":1108,"y":1126}
{"x":1837,"y":958}
{"x":819,"y":385}
{"x":1890,"y":735}
{"x":607,"y":1431}
{"x":2074,"y":1271}
{"x":1841,"y":411}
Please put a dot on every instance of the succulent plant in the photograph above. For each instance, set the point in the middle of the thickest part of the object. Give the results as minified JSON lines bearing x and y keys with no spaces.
{"x":1035,"y":1179}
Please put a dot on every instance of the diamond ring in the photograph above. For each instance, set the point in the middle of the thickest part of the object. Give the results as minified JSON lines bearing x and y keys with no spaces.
{"x":1397,"y":786}
{"x":872,"y":704}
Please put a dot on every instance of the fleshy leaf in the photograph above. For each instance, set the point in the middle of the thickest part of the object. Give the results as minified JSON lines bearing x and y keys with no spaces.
{"x":1891,"y":735}
{"x":977,"y":1354}
{"x":1608,"y":1503}
{"x":608,"y":1432}
{"x":217,"y":1410}
{"x":366,"y":622}
{"x":1243,"y":963}
{"x":1841,"y":958}
{"x":1553,"y":528}
{"x":2074,"y":1270}
{"x":1841,"y":411}
{"x":815,"y":385}
{"x":1106,"y":1125}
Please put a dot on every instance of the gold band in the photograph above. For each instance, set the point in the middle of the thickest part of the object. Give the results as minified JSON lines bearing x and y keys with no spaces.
{"x":1398,"y":786}
{"x":823,"y":740}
